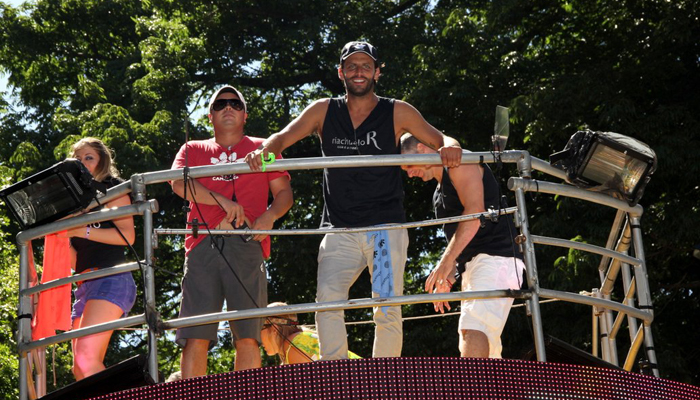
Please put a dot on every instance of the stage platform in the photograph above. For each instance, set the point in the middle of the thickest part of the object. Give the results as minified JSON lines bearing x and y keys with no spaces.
{"x":418,"y":378}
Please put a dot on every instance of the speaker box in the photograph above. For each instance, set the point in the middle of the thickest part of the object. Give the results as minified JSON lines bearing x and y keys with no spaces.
{"x":561,"y":352}
{"x":128,"y":374}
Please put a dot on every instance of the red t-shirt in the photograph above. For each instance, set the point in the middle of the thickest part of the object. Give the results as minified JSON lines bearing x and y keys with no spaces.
{"x":251,"y":189}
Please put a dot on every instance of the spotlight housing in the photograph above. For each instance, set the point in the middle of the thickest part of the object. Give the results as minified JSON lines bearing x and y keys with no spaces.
{"x":51,"y":194}
{"x":607,"y":162}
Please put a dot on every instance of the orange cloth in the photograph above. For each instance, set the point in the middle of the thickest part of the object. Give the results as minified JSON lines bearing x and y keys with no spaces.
{"x":54,"y":309}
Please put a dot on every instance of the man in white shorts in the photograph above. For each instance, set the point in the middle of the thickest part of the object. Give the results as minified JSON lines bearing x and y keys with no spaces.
{"x":486,"y":256}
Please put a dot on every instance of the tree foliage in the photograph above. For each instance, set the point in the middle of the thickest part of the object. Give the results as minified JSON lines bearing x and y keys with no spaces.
{"x":137,"y":74}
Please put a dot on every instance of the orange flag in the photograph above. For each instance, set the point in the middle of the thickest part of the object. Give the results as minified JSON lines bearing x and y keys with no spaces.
{"x":54,"y":309}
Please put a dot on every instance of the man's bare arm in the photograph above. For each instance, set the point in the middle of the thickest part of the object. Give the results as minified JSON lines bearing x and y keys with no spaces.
{"x":308,"y":122}
{"x":467,"y":179}
{"x":283,"y":198}
{"x":200,"y":194}
{"x":409,"y":120}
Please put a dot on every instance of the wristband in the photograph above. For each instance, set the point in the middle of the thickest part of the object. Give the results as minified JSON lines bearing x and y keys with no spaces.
{"x":87,"y":232}
{"x":270,"y":160}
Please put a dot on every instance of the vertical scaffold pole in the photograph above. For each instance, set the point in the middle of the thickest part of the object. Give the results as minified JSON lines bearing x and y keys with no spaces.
{"x":525,"y":171}
{"x":643,"y":292}
{"x":150,"y":293}
{"x":138,"y":189}
{"x":25,"y":327}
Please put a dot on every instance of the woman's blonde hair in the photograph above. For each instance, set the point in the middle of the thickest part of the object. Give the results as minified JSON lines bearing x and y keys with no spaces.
{"x":284,"y":325}
{"x":105,"y":167}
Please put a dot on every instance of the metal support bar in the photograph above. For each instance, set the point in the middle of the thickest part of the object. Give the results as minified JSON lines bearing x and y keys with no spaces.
{"x":613,"y":270}
{"x":150,"y":294}
{"x":630,"y":287}
{"x":76,"y":333}
{"x":595,"y":332}
{"x":604,"y":329}
{"x":343,"y":305}
{"x":602,"y":305}
{"x":25,"y":237}
{"x":643,"y":293}
{"x":585,"y":247}
{"x":620,"y":218}
{"x":325,"y":231}
{"x":634,"y":349}
{"x":651,"y":353}
{"x":596,"y":302}
{"x":531,"y":185}
{"x":24,"y":324}
{"x":117,"y":269}
{"x":612,"y":341}
{"x":532,"y":277}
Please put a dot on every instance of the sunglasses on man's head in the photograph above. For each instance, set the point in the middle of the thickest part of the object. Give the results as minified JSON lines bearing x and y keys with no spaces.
{"x":220,"y":104}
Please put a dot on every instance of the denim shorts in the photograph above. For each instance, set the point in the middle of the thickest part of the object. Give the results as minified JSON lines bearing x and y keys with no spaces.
{"x":118,"y":289}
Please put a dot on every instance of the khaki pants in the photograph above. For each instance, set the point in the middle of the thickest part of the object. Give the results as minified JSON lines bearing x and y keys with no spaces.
{"x":341,"y":259}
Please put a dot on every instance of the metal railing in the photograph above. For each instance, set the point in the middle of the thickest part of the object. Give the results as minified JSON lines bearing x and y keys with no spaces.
{"x":625,"y":235}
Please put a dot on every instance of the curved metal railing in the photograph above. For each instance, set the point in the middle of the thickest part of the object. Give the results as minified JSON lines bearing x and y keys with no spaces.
{"x":615,"y":259}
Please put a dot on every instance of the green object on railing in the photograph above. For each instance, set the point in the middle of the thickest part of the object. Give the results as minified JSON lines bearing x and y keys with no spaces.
{"x":270,"y":160}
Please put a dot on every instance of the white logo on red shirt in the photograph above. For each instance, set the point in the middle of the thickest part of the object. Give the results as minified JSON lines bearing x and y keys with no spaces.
{"x":225,"y":159}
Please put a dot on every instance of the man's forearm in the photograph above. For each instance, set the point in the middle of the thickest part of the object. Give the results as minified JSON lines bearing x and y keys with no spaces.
{"x":196,"y":192}
{"x":281,"y":204}
{"x":465,"y":233}
{"x":274,"y":144}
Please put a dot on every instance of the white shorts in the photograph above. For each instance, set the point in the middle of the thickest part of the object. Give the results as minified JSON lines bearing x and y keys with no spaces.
{"x":485,"y":272}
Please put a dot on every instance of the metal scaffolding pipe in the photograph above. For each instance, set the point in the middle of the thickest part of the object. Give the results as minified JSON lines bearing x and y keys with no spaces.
{"x":600,"y":303}
{"x":323,"y":231}
{"x":532,"y":185}
{"x":25,"y":237}
{"x":342,"y":305}
{"x":585,"y":247}
{"x":76,"y":333}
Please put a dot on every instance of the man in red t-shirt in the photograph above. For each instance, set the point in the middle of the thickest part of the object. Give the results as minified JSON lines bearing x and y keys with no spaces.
{"x":232,"y":267}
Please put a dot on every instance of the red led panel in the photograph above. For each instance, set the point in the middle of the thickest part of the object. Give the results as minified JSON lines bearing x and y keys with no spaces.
{"x":418,"y":378}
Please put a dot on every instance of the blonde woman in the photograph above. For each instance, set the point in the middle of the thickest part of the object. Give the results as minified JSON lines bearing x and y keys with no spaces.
{"x":282,"y":335}
{"x":97,"y":246}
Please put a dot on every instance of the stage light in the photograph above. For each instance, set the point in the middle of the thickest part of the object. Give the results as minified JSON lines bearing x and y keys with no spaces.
{"x":51,"y":194}
{"x":607,"y":162}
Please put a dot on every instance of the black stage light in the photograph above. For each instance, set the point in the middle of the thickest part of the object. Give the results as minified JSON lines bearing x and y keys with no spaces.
{"x":607,"y":162}
{"x":51,"y":194}
{"x":128,"y":374}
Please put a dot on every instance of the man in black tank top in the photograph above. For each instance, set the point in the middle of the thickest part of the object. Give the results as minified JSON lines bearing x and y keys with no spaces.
{"x":360,"y":123}
{"x":486,"y":256}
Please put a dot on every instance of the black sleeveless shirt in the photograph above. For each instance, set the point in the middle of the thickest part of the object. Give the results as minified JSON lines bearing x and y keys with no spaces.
{"x":496,"y":239}
{"x":91,"y":254}
{"x":363,"y":196}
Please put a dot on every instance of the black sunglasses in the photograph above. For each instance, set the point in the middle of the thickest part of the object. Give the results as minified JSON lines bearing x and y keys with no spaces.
{"x":220,"y":104}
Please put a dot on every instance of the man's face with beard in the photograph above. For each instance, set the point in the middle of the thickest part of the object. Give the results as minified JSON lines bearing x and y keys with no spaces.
{"x":358,"y":73}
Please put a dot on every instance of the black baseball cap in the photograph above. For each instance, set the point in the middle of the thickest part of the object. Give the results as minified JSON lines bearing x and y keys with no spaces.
{"x":351,"y":48}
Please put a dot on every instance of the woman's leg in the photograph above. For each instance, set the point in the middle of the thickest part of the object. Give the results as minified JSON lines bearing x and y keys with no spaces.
{"x":89,"y":351}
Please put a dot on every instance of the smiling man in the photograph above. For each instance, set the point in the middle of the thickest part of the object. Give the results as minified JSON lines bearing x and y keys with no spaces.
{"x":360,"y":123}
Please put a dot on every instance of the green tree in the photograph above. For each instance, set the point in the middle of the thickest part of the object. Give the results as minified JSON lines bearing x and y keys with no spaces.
{"x":137,"y":74}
